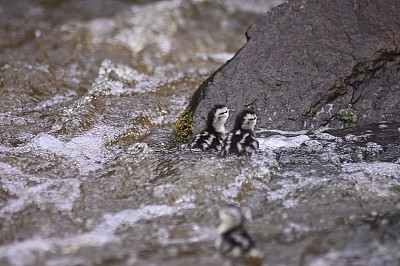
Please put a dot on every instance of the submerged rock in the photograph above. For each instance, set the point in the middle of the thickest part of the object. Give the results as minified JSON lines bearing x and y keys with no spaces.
{"x":307,"y":61}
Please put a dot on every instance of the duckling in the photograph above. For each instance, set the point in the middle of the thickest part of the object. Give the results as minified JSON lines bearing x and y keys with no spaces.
{"x":242,"y":140}
{"x":233,"y":239}
{"x":214,"y":133}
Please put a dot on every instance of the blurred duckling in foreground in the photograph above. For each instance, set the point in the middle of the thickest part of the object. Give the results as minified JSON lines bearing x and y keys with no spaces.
{"x":233,"y":239}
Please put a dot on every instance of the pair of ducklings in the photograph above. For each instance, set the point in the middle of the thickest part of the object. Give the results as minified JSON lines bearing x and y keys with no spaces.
{"x":241,"y":140}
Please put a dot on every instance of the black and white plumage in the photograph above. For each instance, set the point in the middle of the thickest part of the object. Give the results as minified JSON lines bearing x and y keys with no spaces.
{"x":242,"y":139}
{"x":233,"y":239}
{"x":214,"y":133}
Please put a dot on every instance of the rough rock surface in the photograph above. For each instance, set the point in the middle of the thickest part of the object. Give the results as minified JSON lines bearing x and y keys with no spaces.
{"x":305,"y":61}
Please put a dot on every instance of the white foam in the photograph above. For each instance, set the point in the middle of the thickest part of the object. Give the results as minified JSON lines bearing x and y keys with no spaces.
{"x":60,"y":194}
{"x":142,"y":26}
{"x":291,"y":182}
{"x":375,"y":179}
{"x":54,"y":101}
{"x":130,"y":81}
{"x":254,"y":6}
{"x":279,"y":141}
{"x":383,"y":126}
{"x":195,"y":235}
{"x":87,"y":150}
{"x":326,"y":136}
{"x":282,"y":132}
{"x":222,"y":57}
{"x":381,"y":169}
{"x":24,"y":252}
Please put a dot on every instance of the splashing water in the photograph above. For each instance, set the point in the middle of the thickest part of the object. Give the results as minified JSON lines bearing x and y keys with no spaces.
{"x":89,"y":174}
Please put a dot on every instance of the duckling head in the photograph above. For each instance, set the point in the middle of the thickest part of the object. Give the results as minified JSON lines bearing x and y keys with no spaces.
{"x":217,"y":118}
{"x":246,"y":120}
{"x":230,"y":217}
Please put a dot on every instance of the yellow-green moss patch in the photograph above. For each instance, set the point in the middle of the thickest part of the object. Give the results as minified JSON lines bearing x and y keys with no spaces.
{"x":183,"y":127}
{"x":348,"y":117}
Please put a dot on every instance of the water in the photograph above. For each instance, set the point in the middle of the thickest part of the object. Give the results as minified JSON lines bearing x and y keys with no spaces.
{"x":89,"y":175}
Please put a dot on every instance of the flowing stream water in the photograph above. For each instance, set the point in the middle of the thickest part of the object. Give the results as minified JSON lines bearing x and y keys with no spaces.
{"x":88,"y":175}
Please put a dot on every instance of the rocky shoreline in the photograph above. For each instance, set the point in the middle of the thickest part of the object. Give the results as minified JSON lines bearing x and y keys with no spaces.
{"x":310,"y":64}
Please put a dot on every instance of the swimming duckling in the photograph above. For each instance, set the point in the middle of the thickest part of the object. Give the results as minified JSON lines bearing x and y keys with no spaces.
{"x":242,"y":139}
{"x":214,"y":133}
{"x":233,"y":239}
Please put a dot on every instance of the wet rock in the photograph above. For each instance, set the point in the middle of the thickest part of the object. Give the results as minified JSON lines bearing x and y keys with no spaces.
{"x":307,"y":61}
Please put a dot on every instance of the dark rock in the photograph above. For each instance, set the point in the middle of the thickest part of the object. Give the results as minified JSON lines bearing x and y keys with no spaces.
{"x":305,"y":61}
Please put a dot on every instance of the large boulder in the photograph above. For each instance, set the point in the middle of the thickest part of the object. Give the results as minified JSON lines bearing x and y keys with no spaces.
{"x":307,"y":61}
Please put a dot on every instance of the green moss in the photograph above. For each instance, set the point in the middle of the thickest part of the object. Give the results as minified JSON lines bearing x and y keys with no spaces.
{"x":348,"y":116}
{"x":252,"y":106}
{"x":278,"y":82}
{"x":313,"y":110}
{"x":183,"y":127}
{"x":282,"y":83}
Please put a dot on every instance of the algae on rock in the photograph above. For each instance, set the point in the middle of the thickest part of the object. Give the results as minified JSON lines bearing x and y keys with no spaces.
{"x":183,"y":127}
